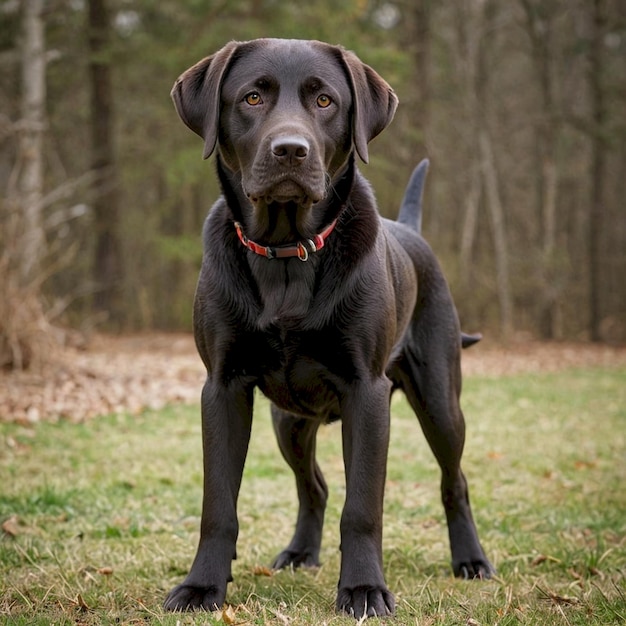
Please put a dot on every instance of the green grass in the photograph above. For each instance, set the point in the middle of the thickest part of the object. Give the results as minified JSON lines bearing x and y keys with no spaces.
{"x":107,"y":513}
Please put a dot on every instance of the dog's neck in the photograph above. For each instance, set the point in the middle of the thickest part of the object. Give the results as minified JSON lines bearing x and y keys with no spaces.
{"x":301,"y":250}
{"x":286,"y":286}
{"x":279,"y":225}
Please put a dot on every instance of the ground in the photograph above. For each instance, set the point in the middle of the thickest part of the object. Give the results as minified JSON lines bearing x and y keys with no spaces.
{"x":135,"y":372}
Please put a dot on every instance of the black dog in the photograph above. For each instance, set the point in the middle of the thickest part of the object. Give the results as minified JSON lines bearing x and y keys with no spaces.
{"x":308,"y":294}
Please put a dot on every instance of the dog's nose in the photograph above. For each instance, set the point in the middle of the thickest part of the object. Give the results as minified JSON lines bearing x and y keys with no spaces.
{"x":290,"y":150}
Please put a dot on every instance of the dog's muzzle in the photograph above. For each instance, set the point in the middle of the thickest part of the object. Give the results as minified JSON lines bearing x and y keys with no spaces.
{"x":287,"y":171}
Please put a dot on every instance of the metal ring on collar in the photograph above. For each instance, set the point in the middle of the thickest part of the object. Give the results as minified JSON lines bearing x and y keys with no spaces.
{"x":303,"y":253}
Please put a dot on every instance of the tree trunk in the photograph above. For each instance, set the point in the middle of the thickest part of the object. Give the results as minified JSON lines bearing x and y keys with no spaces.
{"x":421,"y":44}
{"x":473,"y":23}
{"x":107,"y":261}
{"x":470,"y":227}
{"x":22,"y":242}
{"x":598,"y":166}
{"x":30,"y":147}
{"x":539,"y":22}
{"x":496,"y":213}
{"x":467,"y":40}
{"x":416,"y":104}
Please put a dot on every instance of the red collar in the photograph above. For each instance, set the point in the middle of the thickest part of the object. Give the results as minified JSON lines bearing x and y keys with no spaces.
{"x":300,"y":249}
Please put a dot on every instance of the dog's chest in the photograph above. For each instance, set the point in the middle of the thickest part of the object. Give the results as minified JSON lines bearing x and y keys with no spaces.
{"x":303,"y":374}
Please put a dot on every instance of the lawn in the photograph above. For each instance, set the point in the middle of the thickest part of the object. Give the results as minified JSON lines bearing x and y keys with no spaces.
{"x":100,"y":519}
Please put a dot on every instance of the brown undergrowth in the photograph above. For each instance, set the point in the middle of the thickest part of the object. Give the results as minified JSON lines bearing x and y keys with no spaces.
{"x":114,"y":374}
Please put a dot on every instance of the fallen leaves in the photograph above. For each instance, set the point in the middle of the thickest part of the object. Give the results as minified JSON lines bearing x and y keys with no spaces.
{"x":535,"y":356}
{"x":114,"y":375}
{"x":105,"y":571}
{"x":261,"y":570}
{"x":10,"y":526}
{"x":81,"y":604}
{"x":227,"y":615}
{"x":139,"y":372}
{"x":582,"y":464}
{"x":577,"y":573}
{"x":89,"y":573}
{"x":542,"y":558}
{"x":558,"y":598}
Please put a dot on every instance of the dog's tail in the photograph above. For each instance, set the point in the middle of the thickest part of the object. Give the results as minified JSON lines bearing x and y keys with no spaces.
{"x":411,"y":215}
{"x":467,"y":341}
{"x":411,"y":207}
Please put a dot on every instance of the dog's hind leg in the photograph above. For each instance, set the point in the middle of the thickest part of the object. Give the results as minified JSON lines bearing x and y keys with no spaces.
{"x":431,"y":379}
{"x":296,"y":438}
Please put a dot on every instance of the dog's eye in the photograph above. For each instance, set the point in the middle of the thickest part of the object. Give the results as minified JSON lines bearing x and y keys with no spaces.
{"x":323,"y":101}
{"x":253,"y":98}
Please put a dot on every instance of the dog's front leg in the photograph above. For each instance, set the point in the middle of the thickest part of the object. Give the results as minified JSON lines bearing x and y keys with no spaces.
{"x":365,"y":418}
{"x":226,"y":423}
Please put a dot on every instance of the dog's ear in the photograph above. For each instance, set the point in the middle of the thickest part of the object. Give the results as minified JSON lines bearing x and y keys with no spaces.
{"x":196,"y":95}
{"x":374,"y":102}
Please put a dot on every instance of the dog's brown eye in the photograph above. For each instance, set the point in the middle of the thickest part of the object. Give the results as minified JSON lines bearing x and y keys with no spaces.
{"x":253,"y":98}
{"x":323,"y":101}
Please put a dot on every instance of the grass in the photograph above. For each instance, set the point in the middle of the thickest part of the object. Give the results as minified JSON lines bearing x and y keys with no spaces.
{"x":101,"y":519}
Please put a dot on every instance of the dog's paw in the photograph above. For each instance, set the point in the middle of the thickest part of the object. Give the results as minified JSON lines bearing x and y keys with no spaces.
{"x":474,"y":570}
{"x":293,"y":558}
{"x":362,"y":602}
{"x":189,"y":598}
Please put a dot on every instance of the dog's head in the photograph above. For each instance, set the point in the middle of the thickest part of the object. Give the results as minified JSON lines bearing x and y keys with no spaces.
{"x":286,"y":115}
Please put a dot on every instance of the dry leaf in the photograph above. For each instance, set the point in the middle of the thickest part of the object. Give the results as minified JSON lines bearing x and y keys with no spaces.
{"x":260,"y":570}
{"x":558,"y":599}
{"x":286,"y":621}
{"x":584,"y":465}
{"x":82,"y":605}
{"x":538,"y":560}
{"x":105,"y":571}
{"x":228,"y":615}
{"x":574,"y":574}
{"x":10,"y":526}
{"x":563,"y":599}
{"x":87,"y":575}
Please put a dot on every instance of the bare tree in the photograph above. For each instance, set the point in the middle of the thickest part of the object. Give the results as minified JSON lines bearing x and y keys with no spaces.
{"x":22,"y":240}
{"x":29,"y":169}
{"x":540,"y":17}
{"x":421,"y":38}
{"x":498,"y":228}
{"x":107,"y":261}
{"x":475,"y":23}
{"x":467,"y":41}
{"x":599,"y":113}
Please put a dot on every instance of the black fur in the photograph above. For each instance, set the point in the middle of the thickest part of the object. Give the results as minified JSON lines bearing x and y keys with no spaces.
{"x":327,"y":339}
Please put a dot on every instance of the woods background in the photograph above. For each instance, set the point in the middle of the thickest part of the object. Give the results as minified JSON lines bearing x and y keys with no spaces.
{"x":519,"y":104}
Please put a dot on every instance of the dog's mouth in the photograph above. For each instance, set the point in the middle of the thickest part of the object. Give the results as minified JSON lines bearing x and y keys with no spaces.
{"x":284,"y":194}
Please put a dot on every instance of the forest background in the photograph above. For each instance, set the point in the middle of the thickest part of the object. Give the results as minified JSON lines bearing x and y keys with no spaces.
{"x":519,"y":105}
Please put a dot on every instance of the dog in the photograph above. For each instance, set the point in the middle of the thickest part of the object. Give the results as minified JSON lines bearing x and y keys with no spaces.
{"x":306,"y":293}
